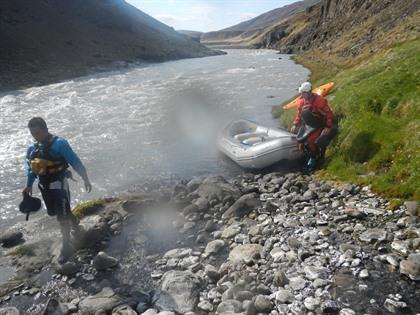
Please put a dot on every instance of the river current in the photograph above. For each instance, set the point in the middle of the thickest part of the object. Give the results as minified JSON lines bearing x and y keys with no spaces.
{"x":146,"y":124}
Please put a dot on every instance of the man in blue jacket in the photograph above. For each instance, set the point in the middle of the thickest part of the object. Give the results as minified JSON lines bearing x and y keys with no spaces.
{"x":48,"y":160}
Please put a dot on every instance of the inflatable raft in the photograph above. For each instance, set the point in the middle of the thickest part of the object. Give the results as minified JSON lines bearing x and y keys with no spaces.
{"x":255,"y":147}
{"x":322,"y":90}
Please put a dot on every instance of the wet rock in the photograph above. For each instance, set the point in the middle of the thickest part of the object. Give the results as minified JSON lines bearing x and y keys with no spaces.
{"x":217,"y":188}
{"x":102,"y":261}
{"x":284,"y":296}
{"x":9,"y":311}
{"x":183,"y":287}
{"x":214,"y":247}
{"x":411,"y":266}
{"x":263,"y":304}
{"x":212,"y":273}
{"x":243,"y":206}
{"x":245,"y":253}
{"x":11,"y":238}
{"x":375,"y":234}
{"x":150,"y":311}
{"x":401,"y":247}
{"x":105,"y":300}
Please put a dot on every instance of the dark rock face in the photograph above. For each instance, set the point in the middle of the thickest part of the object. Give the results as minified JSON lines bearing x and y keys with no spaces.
{"x":348,"y":28}
{"x":48,"y":41}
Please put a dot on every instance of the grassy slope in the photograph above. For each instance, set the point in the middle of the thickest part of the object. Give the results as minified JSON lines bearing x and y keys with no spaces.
{"x":377,"y":103}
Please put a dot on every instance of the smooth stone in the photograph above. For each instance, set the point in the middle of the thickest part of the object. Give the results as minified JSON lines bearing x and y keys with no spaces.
{"x":214,"y":247}
{"x":411,"y":266}
{"x":245,"y":253}
{"x":263,"y":304}
{"x":9,"y":311}
{"x":102,"y":261}
{"x":284,"y":296}
{"x":375,"y":234}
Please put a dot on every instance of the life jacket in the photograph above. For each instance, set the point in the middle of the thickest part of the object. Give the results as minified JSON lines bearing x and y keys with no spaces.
{"x":43,"y":164}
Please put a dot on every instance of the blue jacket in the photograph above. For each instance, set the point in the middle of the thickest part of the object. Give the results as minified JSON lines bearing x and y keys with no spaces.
{"x":59,"y":149}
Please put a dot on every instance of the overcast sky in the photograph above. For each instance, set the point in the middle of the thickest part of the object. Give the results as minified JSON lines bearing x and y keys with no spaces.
{"x":205,"y":15}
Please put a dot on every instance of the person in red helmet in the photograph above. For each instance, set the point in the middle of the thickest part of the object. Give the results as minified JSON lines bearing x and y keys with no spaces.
{"x":314,"y":124}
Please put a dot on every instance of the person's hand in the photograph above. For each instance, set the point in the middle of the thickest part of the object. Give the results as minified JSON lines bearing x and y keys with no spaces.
{"x":293,"y":129}
{"x":326,"y":131}
{"x":88,"y":186}
{"x":27,"y":190}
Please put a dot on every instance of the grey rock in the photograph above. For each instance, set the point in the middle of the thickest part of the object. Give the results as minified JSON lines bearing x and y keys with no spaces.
{"x":243,"y":206}
{"x":375,"y":234}
{"x":280,"y":279}
{"x":354,"y":213}
{"x":245,"y":253}
{"x":231,"y":231}
{"x":297,"y":283}
{"x":411,"y":266}
{"x":183,"y":287}
{"x":229,"y":306}
{"x":11,"y":238}
{"x":347,"y":311}
{"x":330,"y":307}
{"x":412,"y":208}
{"x":105,"y":300}
{"x":394,"y":306}
{"x":263,"y":304}
{"x":401,"y":247}
{"x":312,"y":303}
{"x":284,"y":296}
{"x":67,"y":269}
{"x":214,"y":247}
{"x":123,"y":310}
{"x":150,"y":311}
{"x":178,"y":253}
{"x":205,"y":306}
{"x":54,"y":307}
{"x":102,"y":261}
{"x":212,"y":273}
{"x":93,"y":229}
{"x":9,"y":311}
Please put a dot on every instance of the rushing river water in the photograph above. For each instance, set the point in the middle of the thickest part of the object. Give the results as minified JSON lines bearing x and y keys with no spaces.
{"x":146,"y":124}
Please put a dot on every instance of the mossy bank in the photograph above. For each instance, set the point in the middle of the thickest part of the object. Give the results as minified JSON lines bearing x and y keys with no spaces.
{"x":376,"y":104}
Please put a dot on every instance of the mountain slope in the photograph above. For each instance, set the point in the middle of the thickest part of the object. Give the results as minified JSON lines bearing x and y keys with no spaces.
{"x":46,"y":41}
{"x":244,"y":32}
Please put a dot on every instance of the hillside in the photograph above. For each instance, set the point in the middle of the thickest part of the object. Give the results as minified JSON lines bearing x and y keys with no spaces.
{"x":243,"y":33}
{"x":47,"y":41}
{"x":370,"y":49}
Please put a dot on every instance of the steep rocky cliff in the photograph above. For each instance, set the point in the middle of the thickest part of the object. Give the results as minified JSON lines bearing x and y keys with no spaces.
{"x":50,"y":40}
{"x":346,"y":28}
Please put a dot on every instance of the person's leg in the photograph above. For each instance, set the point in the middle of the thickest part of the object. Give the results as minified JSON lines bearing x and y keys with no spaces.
{"x":324,"y":139}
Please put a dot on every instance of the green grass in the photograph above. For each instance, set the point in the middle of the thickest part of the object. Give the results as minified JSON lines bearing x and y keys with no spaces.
{"x":378,"y":106}
{"x":88,"y":208}
{"x":23,"y":250}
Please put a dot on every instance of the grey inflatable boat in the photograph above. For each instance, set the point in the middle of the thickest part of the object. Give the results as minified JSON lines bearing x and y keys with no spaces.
{"x":255,"y":147}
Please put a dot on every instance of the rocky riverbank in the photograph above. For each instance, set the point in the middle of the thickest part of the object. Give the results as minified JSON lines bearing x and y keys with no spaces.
{"x":272,"y":244}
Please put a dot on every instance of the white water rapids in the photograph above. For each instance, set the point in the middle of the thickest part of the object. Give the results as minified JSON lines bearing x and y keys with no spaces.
{"x":144,"y":124}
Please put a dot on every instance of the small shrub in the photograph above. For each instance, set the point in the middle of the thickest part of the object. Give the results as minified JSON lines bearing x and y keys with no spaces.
{"x":23,"y":250}
{"x":88,"y":208}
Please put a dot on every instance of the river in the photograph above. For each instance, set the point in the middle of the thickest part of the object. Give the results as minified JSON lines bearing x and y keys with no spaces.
{"x":145,"y":124}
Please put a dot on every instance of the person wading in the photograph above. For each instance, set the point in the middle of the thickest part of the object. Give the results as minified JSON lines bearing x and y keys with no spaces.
{"x":314,"y":125}
{"x":48,"y":160}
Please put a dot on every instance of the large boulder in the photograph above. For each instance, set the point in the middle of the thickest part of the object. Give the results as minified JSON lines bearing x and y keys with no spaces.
{"x":411,"y":266}
{"x":183,"y":287}
{"x":9,"y":311}
{"x":243,"y":206}
{"x":105,"y":300}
